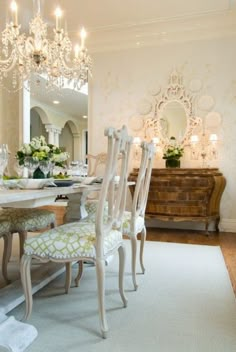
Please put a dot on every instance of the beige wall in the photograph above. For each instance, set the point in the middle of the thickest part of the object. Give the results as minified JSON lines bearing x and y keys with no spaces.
{"x":10,"y":122}
{"x":122,"y":79}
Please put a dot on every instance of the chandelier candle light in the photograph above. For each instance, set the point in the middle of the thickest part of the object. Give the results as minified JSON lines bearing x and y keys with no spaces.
{"x":53,"y":59}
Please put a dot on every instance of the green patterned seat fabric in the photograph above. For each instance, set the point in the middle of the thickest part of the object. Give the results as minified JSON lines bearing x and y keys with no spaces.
{"x":91,"y":208}
{"x":70,"y":241}
{"x":5,"y":226}
{"x":139,"y":224}
{"x":27,"y":219}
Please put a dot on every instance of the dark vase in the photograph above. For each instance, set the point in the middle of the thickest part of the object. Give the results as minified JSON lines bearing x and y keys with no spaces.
{"x":172,"y":163}
{"x":38,"y":173}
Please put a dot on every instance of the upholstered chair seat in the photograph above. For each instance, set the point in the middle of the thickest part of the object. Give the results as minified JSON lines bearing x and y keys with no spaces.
{"x":28,"y":219}
{"x":138,"y":224}
{"x":91,"y":208}
{"x":5,"y":233}
{"x":70,"y":241}
{"x":5,"y":226}
{"x":22,"y":221}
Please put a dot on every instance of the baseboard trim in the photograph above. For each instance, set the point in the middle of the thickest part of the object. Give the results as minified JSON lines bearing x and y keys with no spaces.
{"x":228,"y":225}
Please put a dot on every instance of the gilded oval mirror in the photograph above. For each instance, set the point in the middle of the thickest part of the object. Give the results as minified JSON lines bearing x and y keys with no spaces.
{"x":173,"y":114}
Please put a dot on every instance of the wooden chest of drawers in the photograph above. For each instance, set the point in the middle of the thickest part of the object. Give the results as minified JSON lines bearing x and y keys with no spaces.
{"x":185,"y":195}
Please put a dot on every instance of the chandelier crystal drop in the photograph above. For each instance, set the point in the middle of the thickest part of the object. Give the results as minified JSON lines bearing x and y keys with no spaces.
{"x":25,"y":59}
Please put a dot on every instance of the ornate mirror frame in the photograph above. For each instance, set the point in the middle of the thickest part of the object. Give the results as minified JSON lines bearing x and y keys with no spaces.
{"x":175,"y":92}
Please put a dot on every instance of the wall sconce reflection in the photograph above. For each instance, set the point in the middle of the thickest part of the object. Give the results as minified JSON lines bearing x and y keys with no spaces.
{"x":205,"y":147}
{"x":136,"y":143}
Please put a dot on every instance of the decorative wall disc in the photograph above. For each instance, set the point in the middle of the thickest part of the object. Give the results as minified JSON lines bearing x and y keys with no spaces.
{"x":206,"y":102}
{"x":144,"y":107}
{"x":136,"y":123}
{"x":213,"y":119}
{"x":195,"y":85}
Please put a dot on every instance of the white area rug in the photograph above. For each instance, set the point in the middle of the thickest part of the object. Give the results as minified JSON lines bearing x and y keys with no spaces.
{"x":184,"y":303}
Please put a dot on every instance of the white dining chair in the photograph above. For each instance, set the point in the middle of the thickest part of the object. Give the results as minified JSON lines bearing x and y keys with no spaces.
{"x":134,"y":220}
{"x":92,"y":242}
{"x":22,"y":221}
{"x":96,"y":164}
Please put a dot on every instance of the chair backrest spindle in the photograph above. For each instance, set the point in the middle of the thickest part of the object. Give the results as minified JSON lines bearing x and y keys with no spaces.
{"x":143,"y":181}
{"x":118,"y":151}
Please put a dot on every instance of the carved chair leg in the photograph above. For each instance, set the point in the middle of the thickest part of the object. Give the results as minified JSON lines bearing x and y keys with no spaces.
{"x":100,"y":271}
{"x":68,"y":277}
{"x":26,"y":283}
{"x":6,"y":255}
{"x":80,"y":272}
{"x":22,"y":238}
{"x":133,"y":240}
{"x":122,"y":256}
{"x":143,"y":238}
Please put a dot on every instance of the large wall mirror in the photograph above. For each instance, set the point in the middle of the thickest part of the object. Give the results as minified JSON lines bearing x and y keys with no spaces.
{"x":174,"y":120}
{"x":174,"y":114}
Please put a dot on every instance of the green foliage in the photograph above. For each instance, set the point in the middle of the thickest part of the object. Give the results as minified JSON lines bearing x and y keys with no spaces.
{"x":173,"y":151}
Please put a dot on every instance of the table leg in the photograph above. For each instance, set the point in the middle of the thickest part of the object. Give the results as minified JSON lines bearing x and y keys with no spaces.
{"x":75,"y":210}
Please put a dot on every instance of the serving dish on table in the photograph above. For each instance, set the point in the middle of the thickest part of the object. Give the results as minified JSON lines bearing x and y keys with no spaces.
{"x":63,"y":183}
{"x":28,"y":183}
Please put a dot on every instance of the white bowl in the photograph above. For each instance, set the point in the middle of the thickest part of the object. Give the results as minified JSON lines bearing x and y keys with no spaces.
{"x":11,"y":184}
{"x":34,"y":183}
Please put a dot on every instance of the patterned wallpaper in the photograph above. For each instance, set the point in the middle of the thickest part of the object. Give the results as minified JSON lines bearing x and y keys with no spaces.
{"x":123,"y":82}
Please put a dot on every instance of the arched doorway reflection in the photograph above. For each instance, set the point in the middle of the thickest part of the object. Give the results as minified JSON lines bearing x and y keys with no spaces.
{"x":66,"y":141}
{"x":37,"y":128}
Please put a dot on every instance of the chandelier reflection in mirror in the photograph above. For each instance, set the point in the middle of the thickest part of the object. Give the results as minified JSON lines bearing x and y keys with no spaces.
{"x":54,"y":60}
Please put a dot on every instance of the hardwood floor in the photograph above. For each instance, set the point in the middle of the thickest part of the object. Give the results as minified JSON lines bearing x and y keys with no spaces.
{"x":226,"y":241}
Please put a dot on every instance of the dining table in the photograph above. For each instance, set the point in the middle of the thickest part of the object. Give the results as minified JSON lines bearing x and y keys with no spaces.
{"x":12,"y":294}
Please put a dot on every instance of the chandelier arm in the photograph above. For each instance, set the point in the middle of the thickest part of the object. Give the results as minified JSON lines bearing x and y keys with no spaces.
{"x":10,"y":65}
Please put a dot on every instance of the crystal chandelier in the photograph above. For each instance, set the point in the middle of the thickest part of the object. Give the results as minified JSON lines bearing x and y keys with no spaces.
{"x":24,"y":59}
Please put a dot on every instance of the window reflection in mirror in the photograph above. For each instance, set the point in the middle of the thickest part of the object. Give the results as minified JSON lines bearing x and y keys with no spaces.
{"x":173,"y":120}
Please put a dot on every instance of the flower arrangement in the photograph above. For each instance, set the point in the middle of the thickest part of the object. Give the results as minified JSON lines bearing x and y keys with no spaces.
{"x":173,"y":151}
{"x":40,"y":150}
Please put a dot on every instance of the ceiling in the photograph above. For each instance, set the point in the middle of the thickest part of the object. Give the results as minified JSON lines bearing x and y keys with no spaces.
{"x":117,"y":25}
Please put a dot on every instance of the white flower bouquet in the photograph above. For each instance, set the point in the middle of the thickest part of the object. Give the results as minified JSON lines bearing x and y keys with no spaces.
{"x":40,"y":150}
{"x":173,"y":150}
